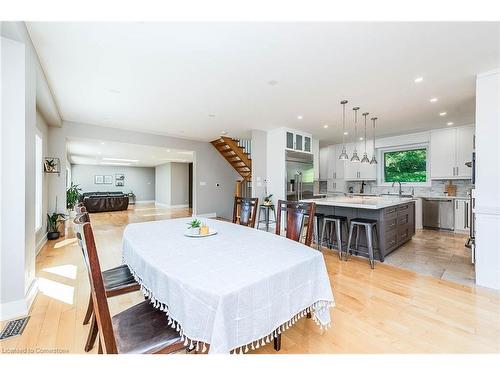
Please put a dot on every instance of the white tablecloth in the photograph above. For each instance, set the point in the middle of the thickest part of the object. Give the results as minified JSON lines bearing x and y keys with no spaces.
{"x":235,"y":290}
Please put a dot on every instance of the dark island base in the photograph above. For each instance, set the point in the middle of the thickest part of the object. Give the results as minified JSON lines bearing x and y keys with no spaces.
{"x":395,"y":226}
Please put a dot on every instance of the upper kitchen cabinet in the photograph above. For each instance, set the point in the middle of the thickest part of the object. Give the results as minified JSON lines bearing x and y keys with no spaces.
{"x":359,"y":171}
{"x":298,"y":141}
{"x":450,"y":149}
{"x":316,"y":158}
{"x":335,"y":167}
{"x":323,"y":163}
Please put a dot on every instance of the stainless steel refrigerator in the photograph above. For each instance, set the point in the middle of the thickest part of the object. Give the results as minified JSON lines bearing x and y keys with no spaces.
{"x":299,"y":176}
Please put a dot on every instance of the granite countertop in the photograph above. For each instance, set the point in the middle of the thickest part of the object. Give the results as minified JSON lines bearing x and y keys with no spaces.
{"x":443,"y":197}
{"x":368,"y":202}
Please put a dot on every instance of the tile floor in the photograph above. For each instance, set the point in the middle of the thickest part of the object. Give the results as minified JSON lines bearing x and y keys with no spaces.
{"x":436,"y":253}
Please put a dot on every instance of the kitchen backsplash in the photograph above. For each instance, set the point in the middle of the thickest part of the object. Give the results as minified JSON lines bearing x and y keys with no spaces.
{"x":436,"y":189}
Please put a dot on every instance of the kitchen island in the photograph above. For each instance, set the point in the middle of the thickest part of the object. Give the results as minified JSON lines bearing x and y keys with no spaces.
{"x":395,"y":218}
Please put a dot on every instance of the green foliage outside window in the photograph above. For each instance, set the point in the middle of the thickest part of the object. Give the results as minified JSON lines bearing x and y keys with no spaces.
{"x":405,"y":166}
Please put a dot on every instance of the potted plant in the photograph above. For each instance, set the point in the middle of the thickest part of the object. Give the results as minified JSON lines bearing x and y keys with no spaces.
{"x":72,"y":196}
{"x":53,"y":223}
{"x":194,"y":227}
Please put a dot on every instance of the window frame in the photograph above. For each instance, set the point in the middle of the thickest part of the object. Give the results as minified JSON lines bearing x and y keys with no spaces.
{"x":38,"y":182}
{"x":381,"y":164}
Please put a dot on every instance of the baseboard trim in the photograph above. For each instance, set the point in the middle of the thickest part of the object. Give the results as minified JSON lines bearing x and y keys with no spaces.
{"x":21,"y":307}
{"x":208,"y":215}
{"x":143,"y":202}
{"x":164,"y":205}
{"x":41,"y":244}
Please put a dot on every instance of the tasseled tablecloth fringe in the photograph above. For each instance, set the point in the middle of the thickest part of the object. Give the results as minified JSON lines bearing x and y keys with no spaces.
{"x":194,"y":344}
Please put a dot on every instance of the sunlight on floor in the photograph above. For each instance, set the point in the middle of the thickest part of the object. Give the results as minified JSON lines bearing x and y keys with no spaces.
{"x":66,"y":242}
{"x":59,"y":291}
{"x":67,"y":270}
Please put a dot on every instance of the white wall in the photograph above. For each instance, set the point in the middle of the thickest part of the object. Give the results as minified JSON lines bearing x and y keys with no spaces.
{"x":172,"y":184}
{"x":180,"y":184}
{"x":163,"y":184}
{"x":140,"y":180}
{"x":259,"y":170}
{"x":43,"y":131}
{"x":488,"y":179}
{"x":17,"y":250}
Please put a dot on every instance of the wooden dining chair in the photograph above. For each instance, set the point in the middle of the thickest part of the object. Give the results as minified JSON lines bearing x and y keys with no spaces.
{"x":245,"y":211}
{"x":117,"y":281}
{"x":138,"y":329}
{"x":296,"y":212}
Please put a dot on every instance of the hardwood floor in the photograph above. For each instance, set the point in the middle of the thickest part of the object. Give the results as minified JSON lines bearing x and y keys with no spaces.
{"x":385,"y":310}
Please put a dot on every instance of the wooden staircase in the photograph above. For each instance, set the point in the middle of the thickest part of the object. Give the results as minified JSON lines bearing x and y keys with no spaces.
{"x":235,"y":155}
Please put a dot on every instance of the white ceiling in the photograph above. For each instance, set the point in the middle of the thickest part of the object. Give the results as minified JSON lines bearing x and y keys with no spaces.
{"x":168,"y":78}
{"x":92,"y":152}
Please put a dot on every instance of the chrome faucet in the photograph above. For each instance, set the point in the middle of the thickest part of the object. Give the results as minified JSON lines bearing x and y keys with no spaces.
{"x":400,"y":189}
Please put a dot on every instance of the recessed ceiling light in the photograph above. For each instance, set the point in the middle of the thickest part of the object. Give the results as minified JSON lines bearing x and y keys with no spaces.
{"x":325,"y":126}
{"x":168,"y":150}
{"x":442,"y":114}
{"x":299,"y":117}
{"x":449,"y":123}
{"x":360,"y":138}
{"x":433,"y":100}
{"x":114,"y":91}
{"x":211,"y":115}
{"x":419,"y":79}
{"x":102,"y":143}
{"x":346,"y":133}
{"x":272,"y":82}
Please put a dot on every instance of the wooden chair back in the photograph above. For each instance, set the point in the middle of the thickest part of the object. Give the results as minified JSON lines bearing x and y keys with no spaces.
{"x":85,"y":236}
{"x":296,"y":212}
{"x":247,"y":209}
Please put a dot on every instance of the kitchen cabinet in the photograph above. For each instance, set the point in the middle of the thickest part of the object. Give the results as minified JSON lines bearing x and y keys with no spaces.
{"x":298,"y":141}
{"x":316,"y":157}
{"x":359,"y":171}
{"x":462,"y":217}
{"x":465,"y":146}
{"x":335,"y":168}
{"x":450,"y":149}
{"x":323,"y":163}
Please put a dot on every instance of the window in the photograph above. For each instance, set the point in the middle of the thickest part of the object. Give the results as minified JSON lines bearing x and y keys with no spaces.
{"x":405,"y":165}
{"x":38,"y":181}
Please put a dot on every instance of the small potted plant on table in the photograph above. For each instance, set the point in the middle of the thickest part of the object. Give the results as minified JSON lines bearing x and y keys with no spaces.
{"x":194,"y":227}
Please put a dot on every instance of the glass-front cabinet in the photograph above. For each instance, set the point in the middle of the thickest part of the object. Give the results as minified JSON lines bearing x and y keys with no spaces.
{"x":298,"y":141}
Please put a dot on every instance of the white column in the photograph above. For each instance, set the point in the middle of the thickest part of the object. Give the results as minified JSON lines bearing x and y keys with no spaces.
{"x":488,"y":179}
{"x":259,"y":161}
{"x":14,"y":281}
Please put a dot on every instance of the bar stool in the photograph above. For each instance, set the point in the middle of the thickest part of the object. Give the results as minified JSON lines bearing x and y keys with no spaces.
{"x":337,"y":223}
{"x":370,"y":226}
{"x":318,"y":220}
{"x":267,"y":208}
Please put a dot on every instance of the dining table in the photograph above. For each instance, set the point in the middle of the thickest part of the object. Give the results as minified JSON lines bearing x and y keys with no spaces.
{"x":233,"y":291}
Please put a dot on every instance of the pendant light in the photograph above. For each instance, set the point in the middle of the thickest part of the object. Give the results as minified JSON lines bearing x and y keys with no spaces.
{"x":355,"y":157}
{"x":343,"y":155}
{"x":374,"y":159}
{"x":365,"y":159}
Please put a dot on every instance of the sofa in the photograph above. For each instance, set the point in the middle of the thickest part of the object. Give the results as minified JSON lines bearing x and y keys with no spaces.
{"x":104,"y":201}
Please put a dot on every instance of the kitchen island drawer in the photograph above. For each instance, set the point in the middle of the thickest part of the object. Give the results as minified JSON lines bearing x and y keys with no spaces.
{"x":390,"y":240}
{"x":390,"y":225}
{"x":404,"y":233}
{"x":390,"y":213}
